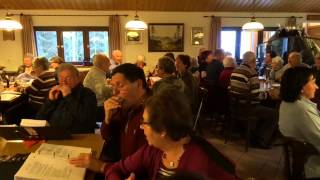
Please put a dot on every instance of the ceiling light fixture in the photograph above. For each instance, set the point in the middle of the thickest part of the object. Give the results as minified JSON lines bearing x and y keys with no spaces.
{"x":136,"y":24}
{"x":253,"y":25}
{"x":8,"y":24}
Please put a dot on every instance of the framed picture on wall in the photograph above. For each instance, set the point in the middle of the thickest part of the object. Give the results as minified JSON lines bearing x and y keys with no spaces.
{"x":133,"y":37}
{"x":197,"y":35}
{"x":165,"y":37}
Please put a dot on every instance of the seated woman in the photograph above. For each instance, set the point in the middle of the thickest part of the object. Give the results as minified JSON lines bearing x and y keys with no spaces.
{"x":229,"y":64}
{"x":191,"y":90}
{"x":166,"y":70}
{"x":299,"y":117}
{"x":167,"y":125}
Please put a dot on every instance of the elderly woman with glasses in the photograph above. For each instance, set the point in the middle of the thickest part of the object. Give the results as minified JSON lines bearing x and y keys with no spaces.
{"x":171,"y":149}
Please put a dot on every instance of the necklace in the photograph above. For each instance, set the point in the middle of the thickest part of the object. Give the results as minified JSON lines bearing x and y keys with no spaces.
{"x":172,"y":164}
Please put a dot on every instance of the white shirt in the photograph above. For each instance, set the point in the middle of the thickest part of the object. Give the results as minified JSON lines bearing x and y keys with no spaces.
{"x":301,"y":120}
{"x":113,"y":64}
{"x":96,"y":81}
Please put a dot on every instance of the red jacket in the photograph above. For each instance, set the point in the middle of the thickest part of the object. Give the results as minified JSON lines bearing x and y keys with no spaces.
{"x":147,"y":160}
{"x":124,"y":126}
{"x":224,"y":79}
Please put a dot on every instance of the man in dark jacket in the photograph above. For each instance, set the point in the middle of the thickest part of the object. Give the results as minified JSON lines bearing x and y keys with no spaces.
{"x":70,"y":105}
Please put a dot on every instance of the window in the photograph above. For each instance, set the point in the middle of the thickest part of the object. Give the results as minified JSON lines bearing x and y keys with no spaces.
{"x":47,"y":43}
{"x":249,"y":42}
{"x":228,"y":43}
{"x":75,"y":44}
{"x":237,"y":42}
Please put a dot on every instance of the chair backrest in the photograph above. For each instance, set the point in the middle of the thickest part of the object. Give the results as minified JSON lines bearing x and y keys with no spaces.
{"x":240,"y":104}
{"x":296,"y":155}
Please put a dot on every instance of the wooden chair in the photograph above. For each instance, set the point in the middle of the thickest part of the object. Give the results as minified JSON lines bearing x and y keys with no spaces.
{"x":296,"y":155}
{"x":241,"y":110}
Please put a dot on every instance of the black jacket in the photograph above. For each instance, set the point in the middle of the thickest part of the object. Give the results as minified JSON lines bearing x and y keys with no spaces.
{"x":75,"y":112}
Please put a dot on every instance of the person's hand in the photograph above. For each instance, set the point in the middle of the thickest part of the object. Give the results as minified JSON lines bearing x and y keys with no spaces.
{"x":131,"y":177}
{"x":54,"y":93}
{"x":87,"y":161}
{"x":65,"y":90}
{"x":110,"y":107}
{"x":274,"y":93}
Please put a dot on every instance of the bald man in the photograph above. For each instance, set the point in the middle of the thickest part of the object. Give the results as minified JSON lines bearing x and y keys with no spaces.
{"x":294,"y":60}
{"x":116,"y":59}
{"x":96,"y":81}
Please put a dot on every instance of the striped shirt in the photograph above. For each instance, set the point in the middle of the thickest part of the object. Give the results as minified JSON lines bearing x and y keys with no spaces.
{"x":244,"y":80}
{"x":165,"y":172}
{"x":40,"y":87}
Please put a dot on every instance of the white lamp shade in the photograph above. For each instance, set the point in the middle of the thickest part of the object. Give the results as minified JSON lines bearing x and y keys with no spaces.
{"x":136,"y":24}
{"x":9,"y":24}
{"x":253,"y":25}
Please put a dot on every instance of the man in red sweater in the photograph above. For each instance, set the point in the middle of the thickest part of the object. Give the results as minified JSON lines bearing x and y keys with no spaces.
{"x":123,"y":114}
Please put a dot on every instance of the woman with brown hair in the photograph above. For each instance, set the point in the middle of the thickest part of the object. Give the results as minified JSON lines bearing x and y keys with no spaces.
{"x":167,"y":125}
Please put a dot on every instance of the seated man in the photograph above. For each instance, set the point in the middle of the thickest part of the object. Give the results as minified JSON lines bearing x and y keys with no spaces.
{"x":55,"y":62}
{"x":40,"y":87}
{"x":116,"y":59}
{"x":244,"y":80}
{"x":70,"y":105}
{"x":294,"y":60}
{"x":27,"y":64}
{"x":123,"y":112}
{"x":96,"y":81}
{"x":275,"y":73}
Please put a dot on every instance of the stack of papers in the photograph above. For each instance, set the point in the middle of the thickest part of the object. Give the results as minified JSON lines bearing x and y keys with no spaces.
{"x":50,"y":162}
{"x":33,"y":123}
{"x":9,"y":95}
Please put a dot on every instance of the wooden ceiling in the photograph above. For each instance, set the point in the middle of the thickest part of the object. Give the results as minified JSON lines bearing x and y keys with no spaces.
{"x":168,"y":5}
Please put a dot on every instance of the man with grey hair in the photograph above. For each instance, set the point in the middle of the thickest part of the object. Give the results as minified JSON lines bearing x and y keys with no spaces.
{"x":116,"y":59}
{"x":70,"y":105}
{"x":27,"y":64}
{"x":276,"y":65}
{"x":96,"y":81}
{"x":39,"y":89}
{"x":294,"y":60}
{"x":244,"y":81}
{"x":45,"y":80}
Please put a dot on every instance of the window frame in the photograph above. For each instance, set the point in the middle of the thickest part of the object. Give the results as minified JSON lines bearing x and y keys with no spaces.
{"x":86,"y":44}
{"x":238,"y":38}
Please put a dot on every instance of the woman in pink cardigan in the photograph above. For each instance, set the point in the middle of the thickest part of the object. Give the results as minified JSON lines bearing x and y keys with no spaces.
{"x":167,"y":125}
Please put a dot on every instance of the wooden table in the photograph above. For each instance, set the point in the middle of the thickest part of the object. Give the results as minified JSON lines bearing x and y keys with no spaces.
{"x":93,"y":141}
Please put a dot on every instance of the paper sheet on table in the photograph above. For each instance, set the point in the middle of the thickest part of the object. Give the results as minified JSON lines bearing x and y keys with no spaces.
{"x":48,"y":168}
{"x":50,"y":162}
{"x":33,"y":123}
{"x":9,"y":96}
{"x":61,"y":150}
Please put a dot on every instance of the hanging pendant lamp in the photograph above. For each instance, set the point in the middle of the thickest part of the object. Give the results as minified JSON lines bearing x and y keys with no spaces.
{"x":136,"y":23}
{"x":253,"y":25}
{"x":8,"y":24}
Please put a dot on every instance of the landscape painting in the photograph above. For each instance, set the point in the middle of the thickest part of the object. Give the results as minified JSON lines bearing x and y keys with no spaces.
{"x":165,"y":37}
